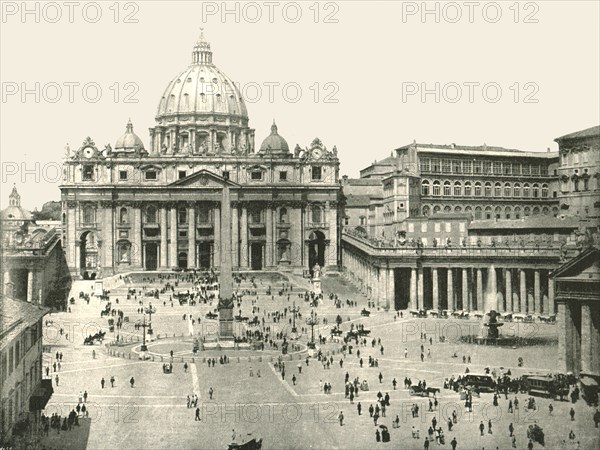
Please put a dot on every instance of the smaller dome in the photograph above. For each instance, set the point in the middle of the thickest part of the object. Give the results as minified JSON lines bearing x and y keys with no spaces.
{"x":130,"y":140}
{"x":274,"y":143}
{"x":14,"y":211}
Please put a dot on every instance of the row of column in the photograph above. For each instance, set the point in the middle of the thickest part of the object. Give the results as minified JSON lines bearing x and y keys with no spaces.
{"x":376,"y":283}
{"x":8,"y":281}
{"x":579,"y":335}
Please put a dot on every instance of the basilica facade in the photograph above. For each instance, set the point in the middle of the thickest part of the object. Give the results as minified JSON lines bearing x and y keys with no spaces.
{"x":157,"y":207}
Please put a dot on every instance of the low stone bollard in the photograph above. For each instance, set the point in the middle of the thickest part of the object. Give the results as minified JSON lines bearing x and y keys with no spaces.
{"x":130,"y":356}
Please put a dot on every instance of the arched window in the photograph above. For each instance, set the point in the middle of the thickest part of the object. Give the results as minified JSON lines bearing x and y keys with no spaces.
{"x":544,"y":191}
{"x":545,"y":210}
{"x":457,"y":189}
{"x":488,"y":212}
{"x":536,"y":211}
{"x":507,"y":212}
{"x":316,"y":214}
{"x":458,"y":209}
{"x":468,"y":189}
{"x":536,"y":190}
{"x":478,"y":189}
{"x":447,"y":209}
{"x":517,"y":213}
{"x":517,"y":190}
{"x":497,"y":190}
{"x":468,"y":210}
{"x":555,"y":211}
{"x":436,"y":209}
{"x":426,"y":210}
{"x":478,"y":213}
{"x":151,"y":214}
{"x":488,"y":189}
{"x":526,"y":190}
{"x":88,"y":215}
{"x":123,"y":215}
{"x":283,"y":215}
{"x":447,"y":188}
{"x":507,"y":190}
{"x":527,"y":211}
{"x":425,"y":187}
{"x":436,"y":187}
{"x":498,"y":212}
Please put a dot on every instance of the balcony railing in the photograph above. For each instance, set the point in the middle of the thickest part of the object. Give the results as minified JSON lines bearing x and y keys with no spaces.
{"x":324,"y":225}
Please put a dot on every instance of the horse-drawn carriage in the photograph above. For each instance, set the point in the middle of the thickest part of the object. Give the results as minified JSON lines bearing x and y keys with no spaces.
{"x":90,"y":340}
{"x":547,"y":318}
{"x":239,"y":318}
{"x":365,"y":312}
{"x":535,"y":433}
{"x":423,"y":392}
{"x":336,"y":331}
{"x":418,"y":313}
{"x":211,"y":315}
{"x":252,"y":444}
{"x":254,"y":321}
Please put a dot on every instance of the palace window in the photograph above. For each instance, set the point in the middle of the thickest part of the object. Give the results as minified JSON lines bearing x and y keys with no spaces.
{"x":544,"y":170}
{"x":525,"y":169}
{"x":478,"y":213}
{"x":466,"y":165}
{"x":255,"y":216}
{"x":182,"y":215}
{"x":477,"y":167}
{"x":122,"y":175}
{"x":283,"y":215}
{"x":497,"y":168}
{"x":256,"y":175}
{"x":283,"y":175}
{"x":88,"y":173}
{"x":526,"y":190}
{"x":446,"y":165}
{"x":468,"y":189}
{"x":436,"y":187}
{"x":488,"y":189}
{"x":447,"y":188}
{"x":123,"y":215}
{"x":517,"y":190}
{"x":426,"y":211}
{"x":517,"y":213}
{"x":507,"y":168}
{"x":316,"y":173}
{"x":182,"y":174}
{"x":435,"y":165}
{"x":507,"y":212}
{"x":497,"y":190}
{"x":150,"y":175}
{"x":478,"y":189}
{"x":536,"y":211}
{"x":507,"y":190}
{"x":527,"y":211}
{"x":487,"y":167}
{"x":457,"y":189}
{"x":436,"y":209}
{"x":151,"y":214}
{"x":488,"y":212}
{"x":225,"y":174}
{"x":203,"y":214}
{"x":456,"y":168}
{"x":424,"y":164}
{"x":425,"y":187}
{"x":498,"y":212}
{"x":89,"y":214}
{"x":536,"y":190}
{"x":535,"y":169}
{"x":447,"y":209}
{"x":316,"y":214}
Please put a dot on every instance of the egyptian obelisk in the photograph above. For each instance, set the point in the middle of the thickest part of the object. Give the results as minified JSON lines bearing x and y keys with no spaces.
{"x":226,"y":276}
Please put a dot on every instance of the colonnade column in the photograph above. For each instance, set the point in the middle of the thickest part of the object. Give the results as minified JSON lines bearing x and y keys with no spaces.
{"x":173,"y":238}
{"x":587,"y":355}
{"x":566,"y":330}
{"x":191,"y":236}
{"x":391,"y":291}
{"x":30,"y":285}
{"x":413,"y":288}
{"x":523,"y":290}
{"x":551,"y":305}
{"x":450,"y":291}
{"x":435,"y":288}
{"x":164,"y":252}
{"x":137,"y":236}
{"x":420,"y":292}
{"x":269,"y":251}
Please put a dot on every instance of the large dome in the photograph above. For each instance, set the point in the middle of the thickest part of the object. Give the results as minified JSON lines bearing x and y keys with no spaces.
{"x":274,"y":143}
{"x":201,"y":89}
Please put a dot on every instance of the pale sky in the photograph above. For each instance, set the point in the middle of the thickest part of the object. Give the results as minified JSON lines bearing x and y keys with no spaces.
{"x":372,"y":57}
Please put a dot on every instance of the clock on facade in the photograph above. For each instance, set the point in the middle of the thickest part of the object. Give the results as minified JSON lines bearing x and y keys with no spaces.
{"x":317,"y":153}
{"x":88,"y":152}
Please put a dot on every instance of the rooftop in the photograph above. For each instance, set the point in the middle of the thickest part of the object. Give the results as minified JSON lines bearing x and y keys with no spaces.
{"x":588,"y":132}
{"x":16,"y":316}
{"x":531,"y":222}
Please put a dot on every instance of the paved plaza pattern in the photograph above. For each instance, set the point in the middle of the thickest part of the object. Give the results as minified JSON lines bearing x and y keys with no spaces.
{"x":251,"y":398}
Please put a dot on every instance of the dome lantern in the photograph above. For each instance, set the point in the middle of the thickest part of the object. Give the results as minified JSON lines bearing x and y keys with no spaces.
{"x":202,"y":53}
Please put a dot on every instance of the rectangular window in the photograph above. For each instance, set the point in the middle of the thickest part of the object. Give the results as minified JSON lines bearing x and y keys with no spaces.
{"x":424,"y":227}
{"x":497,"y":168}
{"x":182,"y":174}
{"x":525,"y":169}
{"x":487,"y":167}
{"x":88,"y":173}
{"x":448,"y":227}
{"x":122,"y":175}
{"x":507,"y":168}
{"x":437,"y":227}
{"x":316,"y":173}
{"x":435,"y":165}
{"x":461,"y":227}
{"x":151,"y":175}
{"x":256,"y":175}
{"x":446,"y":165}
{"x":255,"y":217}
{"x":476,"y":166}
{"x":183,"y":233}
{"x":424,"y":163}
{"x":535,"y":169}
{"x":466,"y":166}
{"x":411,"y":227}
{"x":123,"y":234}
{"x":544,"y":170}
{"x":283,"y":175}
{"x":225,"y":174}
{"x":456,"y":166}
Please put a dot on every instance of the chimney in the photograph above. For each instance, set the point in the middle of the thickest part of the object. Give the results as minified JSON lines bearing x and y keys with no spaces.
{"x":548,"y":150}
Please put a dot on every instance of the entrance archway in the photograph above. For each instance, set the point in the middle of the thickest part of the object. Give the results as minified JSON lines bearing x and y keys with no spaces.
{"x":151,"y":256}
{"x":256,"y":256}
{"x":88,"y":254}
{"x":316,"y":249}
{"x":182,"y":260}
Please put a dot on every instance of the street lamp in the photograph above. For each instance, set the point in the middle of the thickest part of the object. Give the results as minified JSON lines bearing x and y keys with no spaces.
{"x":149,"y":310}
{"x":144,"y":347}
{"x":294,"y":310}
{"x":312,"y":321}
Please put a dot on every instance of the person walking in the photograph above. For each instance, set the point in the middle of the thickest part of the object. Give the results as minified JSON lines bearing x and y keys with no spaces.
{"x":511,"y":429}
{"x":132,"y":382}
{"x":197,"y":415}
{"x":481,"y":428}
{"x":102,"y":381}
{"x":453,"y":443}
{"x":571,"y":413}
{"x":341,"y":418}
{"x":56,"y":379}
{"x":210,"y":393}
{"x":359,"y":408}
{"x":85,"y":396}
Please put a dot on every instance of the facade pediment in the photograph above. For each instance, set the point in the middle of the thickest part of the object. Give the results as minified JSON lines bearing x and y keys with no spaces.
{"x":204,"y":179}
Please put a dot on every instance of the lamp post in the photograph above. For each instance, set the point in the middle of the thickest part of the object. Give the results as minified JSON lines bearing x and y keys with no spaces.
{"x":312,"y":321}
{"x":144,"y":347}
{"x":149,"y":310}
{"x":294,"y":310}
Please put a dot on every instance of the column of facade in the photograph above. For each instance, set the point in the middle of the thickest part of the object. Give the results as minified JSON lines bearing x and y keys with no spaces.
{"x":173,"y":238}
{"x":244,"y":239}
{"x":108,"y":233}
{"x":216,"y":248}
{"x":566,"y":332}
{"x":479,"y":299}
{"x":71,"y":227}
{"x":30,"y":285}
{"x":192,"y":140}
{"x":451,"y":305}
{"x":435,"y":288}
{"x":523,"y":290}
{"x":508,"y":290}
{"x":235,"y":237}
{"x":191,"y":262}
{"x":376,"y":287}
{"x":551,"y":305}
{"x":465,"y":289}
{"x":587,"y":332}
{"x":536,"y":292}
{"x":420,"y":291}
{"x":164,"y":240}
{"x":296,"y":233}
{"x":269,"y":250}
{"x":413,"y":289}
{"x":137,"y":236}
{"x":331,"y":217}
{"x":492,"y":297}
{"x":391,"y":293}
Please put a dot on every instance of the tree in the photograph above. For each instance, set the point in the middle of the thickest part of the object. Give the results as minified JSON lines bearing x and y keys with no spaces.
{"x":50,"y":211}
